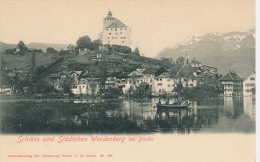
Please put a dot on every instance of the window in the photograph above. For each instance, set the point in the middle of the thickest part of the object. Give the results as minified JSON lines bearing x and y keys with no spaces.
{"x":168,"y":80}
{"x":248,"y":90}
{"x":112,"y":37}
{"x":252,"y":78}
{"x":169,"y":85}
{"x":252,"y":84}
{"x":109,"y":33}
{"x":151,"y":80}
{"x":115,"y":37}
{"x":116,"y":33}
{"x":161,"y":79}
{"x":107,"y":37}
{"x":123,"y":42}
{"x":108,"y":41}
{"x":121,"y":32}
{"x":115,"y":29}
{"x":107,"y":29}
{"x":125,"y":28}
{"x":111,"y":28}
{"x":247,"y":84}
{"x":159,"y":84}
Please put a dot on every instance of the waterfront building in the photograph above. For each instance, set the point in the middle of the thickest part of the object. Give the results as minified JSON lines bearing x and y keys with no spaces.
{"x":233,"y":84}
{"x":249,"y":85}
{"x":115,"y":32}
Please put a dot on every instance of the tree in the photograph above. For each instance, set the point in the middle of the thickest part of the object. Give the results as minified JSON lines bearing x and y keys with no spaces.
{"x":33,"y":65}
{"x":22,"y":46}
{"x":84,"y":42}
{"x":9,"y":51}
{"x":180,"y":60}
{"x":95,"y":45}
{"x":136,"y":51}
{"x":51,"y":50}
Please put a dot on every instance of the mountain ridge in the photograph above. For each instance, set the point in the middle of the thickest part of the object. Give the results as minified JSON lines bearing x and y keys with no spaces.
{"x":228,"y":51}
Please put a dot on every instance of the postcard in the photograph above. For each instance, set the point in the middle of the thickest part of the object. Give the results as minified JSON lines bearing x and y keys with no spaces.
{"x":128,"y":81}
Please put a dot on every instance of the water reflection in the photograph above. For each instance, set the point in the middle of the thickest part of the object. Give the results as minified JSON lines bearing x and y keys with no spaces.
{"x":127,"y":116}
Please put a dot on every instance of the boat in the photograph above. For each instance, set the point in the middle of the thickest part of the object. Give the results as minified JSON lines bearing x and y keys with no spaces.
{"x":179,"y":106}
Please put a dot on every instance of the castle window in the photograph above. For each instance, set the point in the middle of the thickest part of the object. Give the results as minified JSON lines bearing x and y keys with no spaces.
{"x":109,"y":33}
{"x":123,"y":42}
{"x":121,"y":32}
{"x":115,"y":29}
{"x":111,"y":28}
{"x":252,"y":78}
{"x":108,"y":41}
{"x":107,"y":37}
{"x":107,"y":29}
{"x":125,"y":28}
{"x":115,"y":37}
{"x":112,"y":37}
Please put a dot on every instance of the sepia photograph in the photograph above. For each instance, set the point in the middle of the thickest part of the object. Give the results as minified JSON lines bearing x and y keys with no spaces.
{"x":124,"y":80}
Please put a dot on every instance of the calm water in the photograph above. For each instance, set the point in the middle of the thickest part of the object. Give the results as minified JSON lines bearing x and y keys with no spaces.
{"x":222,"y":115}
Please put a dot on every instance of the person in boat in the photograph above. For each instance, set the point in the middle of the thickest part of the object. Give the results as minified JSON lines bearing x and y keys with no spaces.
{"x":159,"y":102}
{"x":167,"y":102}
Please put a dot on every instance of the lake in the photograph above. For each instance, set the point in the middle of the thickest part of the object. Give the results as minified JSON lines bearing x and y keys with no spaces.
{"x":126,"y":116}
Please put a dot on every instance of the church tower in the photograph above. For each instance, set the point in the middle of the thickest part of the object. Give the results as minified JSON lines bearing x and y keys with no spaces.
{"x":108,"y":20}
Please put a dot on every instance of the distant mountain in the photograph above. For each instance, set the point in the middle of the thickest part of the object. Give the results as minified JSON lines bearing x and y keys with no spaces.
{"x":42,"y":46}
{"x":229,"y":51}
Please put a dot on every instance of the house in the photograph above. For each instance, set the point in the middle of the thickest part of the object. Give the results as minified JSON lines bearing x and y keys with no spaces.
{"x":249,"y":85}
{"x":150,"y":74}
{"x":71,"y":48}
{"x":233,"y":84}
{"x":115,"y":31}
{"x":164,"y":83}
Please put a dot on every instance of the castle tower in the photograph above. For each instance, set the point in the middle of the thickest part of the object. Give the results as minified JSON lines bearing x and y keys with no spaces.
{"x":108,"y":20}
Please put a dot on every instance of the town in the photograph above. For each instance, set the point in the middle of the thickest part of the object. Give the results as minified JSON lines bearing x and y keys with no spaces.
{"x":108,"y":67}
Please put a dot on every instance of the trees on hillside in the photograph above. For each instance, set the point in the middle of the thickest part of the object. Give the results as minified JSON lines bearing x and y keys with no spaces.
{"x":180,"y":60}
{"x":136,"y":51}
{"x":85,"y":42}
{"x":22,"y":46}
{"x":51,"y":50}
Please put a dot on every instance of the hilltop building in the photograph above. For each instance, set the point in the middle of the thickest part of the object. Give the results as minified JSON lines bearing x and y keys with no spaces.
{"x":233,"y":84}
{"x":249,"y":85}
{"x":115,"y":31}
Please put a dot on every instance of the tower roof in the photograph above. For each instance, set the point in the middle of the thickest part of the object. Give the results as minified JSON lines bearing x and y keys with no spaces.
{"x":116,"y":24}
{"x":109,"y":14}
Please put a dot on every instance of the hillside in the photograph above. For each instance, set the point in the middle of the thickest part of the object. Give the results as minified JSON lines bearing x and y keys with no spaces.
{"x":42,"y":46}
{"x":230,"y":51}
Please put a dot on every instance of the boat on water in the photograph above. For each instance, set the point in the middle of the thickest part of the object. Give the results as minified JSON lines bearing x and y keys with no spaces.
{"x":177,"y":106}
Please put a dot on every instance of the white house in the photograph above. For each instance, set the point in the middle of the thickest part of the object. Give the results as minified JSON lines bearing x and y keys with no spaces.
{"x":249,"y":85}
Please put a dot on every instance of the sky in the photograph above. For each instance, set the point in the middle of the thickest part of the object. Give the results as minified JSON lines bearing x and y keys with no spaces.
{"x":154,"y":24}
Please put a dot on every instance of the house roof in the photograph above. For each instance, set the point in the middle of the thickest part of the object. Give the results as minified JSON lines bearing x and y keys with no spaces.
{"x":151,"y":70}
{"x":231,"y":76}
{"x":116,"y":24}
{"x":114,"y":74}
{"x":164,"y":75}
{"x":195,"y":62}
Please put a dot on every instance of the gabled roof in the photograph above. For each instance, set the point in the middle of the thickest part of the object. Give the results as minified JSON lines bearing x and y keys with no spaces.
{"x":195,"y":62}
{"x":186,"y":71}
{"x":151,"y":70}
{"x":116,"y":24}
{"x":231,"y":76}
{"x":114,"y":74}
{"x":164,"y":75}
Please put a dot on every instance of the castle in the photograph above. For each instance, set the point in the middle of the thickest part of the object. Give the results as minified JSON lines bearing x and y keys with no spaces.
{"x":115,"y":32}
